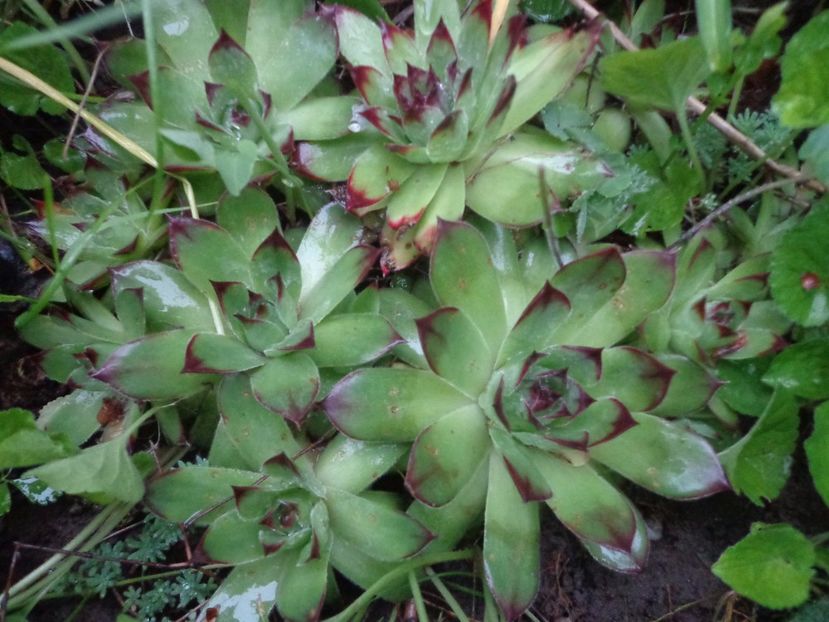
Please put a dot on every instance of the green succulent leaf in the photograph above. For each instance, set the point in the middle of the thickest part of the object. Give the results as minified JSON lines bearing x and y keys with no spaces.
{"x":257,"y":432}
{"x":352,"y":339}
{"x":463,"y":276}
{"x":391,"y":404}
{"x":509,"y":176}
{"x":546,"y":75}
{"x":231,"y":67}
{"x":288,"y":385}
{"x":231,"y":539}
{"x":799,"y":277}
{"x":206,"y":253}
{"x":665,"y":458}
{"x":637,"y":379}
{"x":319,"y":300}
{"x":802,"y":369}
{"x":331,"y":234}
{"x":249,"y":218}
{"x":352,"y":465}
{"x":169,"y":299}
{"x":817,"y":451}
{"x":196,"y":493}
{"x":372,"y":177}
{"x":649,"y":281}
{"x":589,"y":283}
{"x":208,"y":353}
{"x":152,"y":368}
{"x":529,"y":483}
{"x":302,"y":57}
{"x":302,"y":586}
{"x":446,"y":455}
{"x":511,"y":532}
{"x":456,"y":350}
{"x":758,"y":464}
{"x":801,"y":99}
{"x":535,"y":329}
{"x":379,"y":531}
{"x":596,"y":512}
{"x":600,"y":422}
{"x":690,"y":387}
{"x":772,"y":565}
{"x":22,"y":444}
{"x":249,"y":591}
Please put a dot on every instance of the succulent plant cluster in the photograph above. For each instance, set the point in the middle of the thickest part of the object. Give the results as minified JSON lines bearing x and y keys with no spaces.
{"x":525,"y":369}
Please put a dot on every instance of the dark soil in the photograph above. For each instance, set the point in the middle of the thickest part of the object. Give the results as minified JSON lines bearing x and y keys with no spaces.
{"x":677,"y":577}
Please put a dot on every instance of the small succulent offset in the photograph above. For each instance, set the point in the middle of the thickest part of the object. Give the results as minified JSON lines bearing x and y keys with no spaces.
{"x":245,"y":303}
{"x":439,"y":106}
{"x":288,"y":517}
{"x":523,"y":394}
{"x":233,"y":86}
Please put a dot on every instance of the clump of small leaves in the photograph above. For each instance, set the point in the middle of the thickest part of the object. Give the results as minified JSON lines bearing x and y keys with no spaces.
{"x":144,"y":595}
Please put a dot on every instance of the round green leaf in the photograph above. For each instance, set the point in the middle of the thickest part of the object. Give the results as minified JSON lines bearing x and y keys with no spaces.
{"x":799,"y":277}
{"x":772,"y":565}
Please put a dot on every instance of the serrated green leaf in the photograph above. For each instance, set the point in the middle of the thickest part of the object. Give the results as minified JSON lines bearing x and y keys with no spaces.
{"x":817,"y":451}
{"x":803,"y":369}
{"x":22,"y":444}
{"x":799,"y":277}
{"x":663,"y":77}
{"x":104,"y":471}
{"x":801,"y":100}
{"x":772,"y":566}
{"x":758,"y":464}
{"x":46,"y":62}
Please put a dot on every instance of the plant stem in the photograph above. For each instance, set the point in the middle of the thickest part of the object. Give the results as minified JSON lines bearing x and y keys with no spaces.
{"x":83,"y":536}
{"x":723,"y":209}
{"x":417,"y":597}
{"x":401,"y":571}
{"x":682,"y":118}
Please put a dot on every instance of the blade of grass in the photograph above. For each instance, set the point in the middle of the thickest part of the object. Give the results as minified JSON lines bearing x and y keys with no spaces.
{"x":446,"y":595}
{"x":417,"y":597}
{"x":81,"y":26}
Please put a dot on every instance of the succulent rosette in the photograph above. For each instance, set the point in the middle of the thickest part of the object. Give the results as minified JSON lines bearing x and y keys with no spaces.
{"x":233,"y":86}
{"x":439,"y":123}
{"x":714,"y":316}
{"x":524,"y":396}
{"x":284,"y":516}
{"x":243,"y":302}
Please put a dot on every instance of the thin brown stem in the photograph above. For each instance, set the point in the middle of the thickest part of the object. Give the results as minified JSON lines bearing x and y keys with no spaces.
{"x":723,"y":209}
{"x":76,"y":119}
{"x":103,"y":558}
{"x":695,"y":106}
{"x":12,"y":565}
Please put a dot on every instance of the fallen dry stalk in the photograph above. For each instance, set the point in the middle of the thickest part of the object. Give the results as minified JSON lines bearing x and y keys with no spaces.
{"x":735,"y":136}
